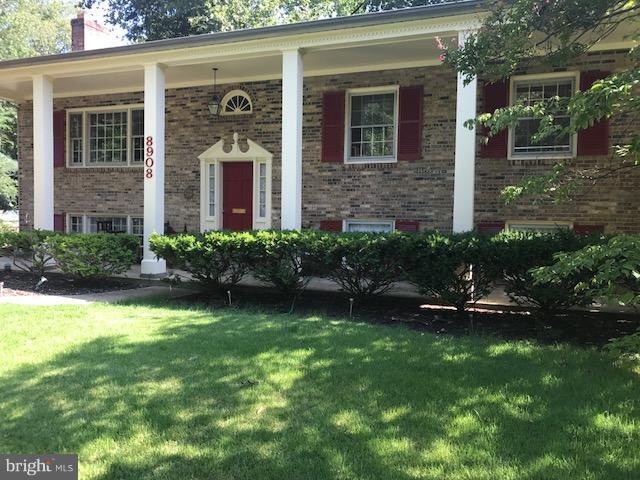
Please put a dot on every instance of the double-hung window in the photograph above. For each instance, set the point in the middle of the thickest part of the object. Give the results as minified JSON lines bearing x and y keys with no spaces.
{"x":106,"y":137}
{"x":529,"y":91}
{"x":372,"y":126}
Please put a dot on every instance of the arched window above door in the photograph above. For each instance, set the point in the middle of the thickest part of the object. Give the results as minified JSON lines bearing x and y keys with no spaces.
{"x":236,"y":102}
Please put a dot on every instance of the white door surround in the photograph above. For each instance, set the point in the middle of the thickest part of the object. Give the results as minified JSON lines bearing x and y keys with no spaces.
{"x":213,"y":157}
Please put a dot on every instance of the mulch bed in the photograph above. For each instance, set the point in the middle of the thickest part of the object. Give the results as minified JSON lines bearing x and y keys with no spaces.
{"x":576,"y":327}
{"x":23,"y":284}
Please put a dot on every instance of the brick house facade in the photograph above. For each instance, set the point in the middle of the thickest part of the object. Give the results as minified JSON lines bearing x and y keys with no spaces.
{"x":410,"y":191}
{"x":331,"y":191}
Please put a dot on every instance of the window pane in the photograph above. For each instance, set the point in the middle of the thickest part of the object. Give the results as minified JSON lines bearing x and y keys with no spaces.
{"x":362,"y":226}
{"x":75,"y":137}
{"x":137,"y":226}
{"x":137,"y":135}
{"x":212,"y":190}
{"x":372,"y":125}
{"x":107,"y":224}
{"x":108,"y":137}
{"x":533,"y":91}
{"x":262,"y":190}
{"x":538,"y":227}
{"x":75,"y":222}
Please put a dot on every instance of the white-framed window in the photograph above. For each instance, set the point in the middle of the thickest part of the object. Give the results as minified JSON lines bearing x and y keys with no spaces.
{"x":106,"y":136}
{"x":91,"y":223}
{"x":539,"y":227}
{"x":530,"y":89}
{"x":379,"y":226}
{"x":236,"y":102}
{"x":262,"y":190}
{"x":372,"y":125}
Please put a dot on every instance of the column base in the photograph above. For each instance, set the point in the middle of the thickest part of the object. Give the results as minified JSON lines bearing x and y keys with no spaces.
{"x":153,"y":267}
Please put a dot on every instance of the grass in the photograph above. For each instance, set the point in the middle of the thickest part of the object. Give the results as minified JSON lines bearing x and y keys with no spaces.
{"x":160,"y":392}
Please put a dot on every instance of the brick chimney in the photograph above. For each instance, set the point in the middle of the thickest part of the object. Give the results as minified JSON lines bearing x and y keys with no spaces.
{"x":89,"y":34}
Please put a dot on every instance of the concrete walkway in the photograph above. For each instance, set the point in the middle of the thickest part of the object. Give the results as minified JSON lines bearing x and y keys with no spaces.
{"x":104,"y":297}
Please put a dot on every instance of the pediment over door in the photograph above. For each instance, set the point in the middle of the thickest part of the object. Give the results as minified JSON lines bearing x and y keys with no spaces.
{"x":218,"y":151}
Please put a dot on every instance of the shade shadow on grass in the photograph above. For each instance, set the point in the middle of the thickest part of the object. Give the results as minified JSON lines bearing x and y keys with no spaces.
{"x":232,"y":394}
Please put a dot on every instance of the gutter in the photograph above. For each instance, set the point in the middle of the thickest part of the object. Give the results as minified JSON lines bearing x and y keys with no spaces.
{"x":328,"y":24}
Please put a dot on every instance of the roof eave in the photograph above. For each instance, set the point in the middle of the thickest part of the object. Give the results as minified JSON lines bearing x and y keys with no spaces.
{"x":363,"y":20}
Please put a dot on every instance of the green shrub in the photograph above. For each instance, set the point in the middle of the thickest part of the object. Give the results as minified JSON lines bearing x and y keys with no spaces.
{"x":216,"y":259}
{"x":457,"y":269}
{"x":362,"y":264}
{"x":94,"y":255}
{"x":30,"y":251}
{"x":521,"y":252}
{"x":627,"y":346}
{"x":281,"y":258}
{"x":608,"y":270}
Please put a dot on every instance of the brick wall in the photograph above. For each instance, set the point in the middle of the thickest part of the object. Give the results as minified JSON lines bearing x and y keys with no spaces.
{"x":410,"y":190}
{"x":613,"y":202}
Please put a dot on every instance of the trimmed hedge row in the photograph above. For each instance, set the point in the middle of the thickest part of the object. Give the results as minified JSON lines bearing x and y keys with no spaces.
{"x":83,"y":256}
{"x":457,"y":269}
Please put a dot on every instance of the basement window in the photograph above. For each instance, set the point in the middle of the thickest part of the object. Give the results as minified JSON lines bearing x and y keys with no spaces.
{"x":373,"y":226}
{"x":102,"y":137}
{"x":538,"y":227}
{"x":91,"y":223}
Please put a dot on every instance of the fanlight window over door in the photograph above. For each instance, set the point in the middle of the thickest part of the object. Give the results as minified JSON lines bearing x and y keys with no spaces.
{"x":236,"y":102}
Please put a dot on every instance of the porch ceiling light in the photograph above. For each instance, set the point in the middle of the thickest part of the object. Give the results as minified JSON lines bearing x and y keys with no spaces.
{"x":214,"y":104}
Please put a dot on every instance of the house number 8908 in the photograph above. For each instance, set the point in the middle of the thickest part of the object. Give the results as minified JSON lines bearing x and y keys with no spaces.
{"x":148,"y":162}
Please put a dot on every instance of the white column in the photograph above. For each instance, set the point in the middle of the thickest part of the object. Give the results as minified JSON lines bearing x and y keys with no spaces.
{"x":42,"y":152}
{"x":465,"y":153}
{"x":153,"y":165}
{"x":291,"y":140}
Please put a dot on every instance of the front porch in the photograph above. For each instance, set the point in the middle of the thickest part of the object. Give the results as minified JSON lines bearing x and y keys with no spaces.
{"x":290,"y":69}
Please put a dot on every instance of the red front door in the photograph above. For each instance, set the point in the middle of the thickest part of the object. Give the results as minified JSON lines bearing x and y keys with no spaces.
{"x":237,"y":195}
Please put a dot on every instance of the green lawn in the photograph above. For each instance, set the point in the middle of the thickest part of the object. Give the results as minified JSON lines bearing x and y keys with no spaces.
{"x":153,"y":392}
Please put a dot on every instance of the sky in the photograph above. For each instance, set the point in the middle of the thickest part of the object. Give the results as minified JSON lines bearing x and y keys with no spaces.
{"x":98,"y":12}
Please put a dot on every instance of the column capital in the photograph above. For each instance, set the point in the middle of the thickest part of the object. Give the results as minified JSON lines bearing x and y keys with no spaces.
{"x":41,"y":76}
{"x":161,"y":66}
{"x":298,"y":50}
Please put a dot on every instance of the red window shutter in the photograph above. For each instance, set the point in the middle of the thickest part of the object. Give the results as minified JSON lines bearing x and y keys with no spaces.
{"x":580,"y":229}
{"x":490,"y":227}
{"x":410,"y":123}
{"x":496,"y":95}
{"x":333,"y":126}
{"x":331,"y":225}
{"x":595,"y":139}
{"x":58,"y":222}
{"x":407,"y":226}
{"x":59,"y":134}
